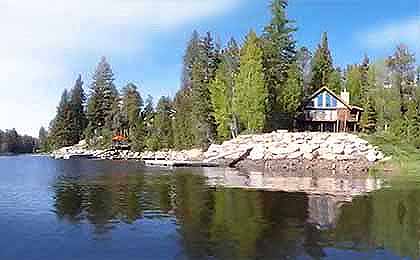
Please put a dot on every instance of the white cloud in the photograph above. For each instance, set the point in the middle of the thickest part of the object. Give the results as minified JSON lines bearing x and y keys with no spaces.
{"x":41,"y":37}
{"x":389,"y":35}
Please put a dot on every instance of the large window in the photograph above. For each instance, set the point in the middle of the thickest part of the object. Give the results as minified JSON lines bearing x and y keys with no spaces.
{"x":327,"y":100}
{"x":334,"y":102}
{"x":320,"y":100}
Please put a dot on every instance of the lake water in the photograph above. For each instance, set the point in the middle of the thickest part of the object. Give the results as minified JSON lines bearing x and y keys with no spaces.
{"x":120,"y":210}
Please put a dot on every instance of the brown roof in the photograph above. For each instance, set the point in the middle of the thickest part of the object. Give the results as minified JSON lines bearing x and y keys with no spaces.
{"x":336,"y":96}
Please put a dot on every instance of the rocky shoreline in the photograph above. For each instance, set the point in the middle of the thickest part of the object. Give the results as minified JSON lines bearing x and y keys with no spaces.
{"x":279,"y":151}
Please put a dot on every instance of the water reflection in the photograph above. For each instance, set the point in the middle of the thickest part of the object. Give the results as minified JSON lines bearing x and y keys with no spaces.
{"x":226,"y":215}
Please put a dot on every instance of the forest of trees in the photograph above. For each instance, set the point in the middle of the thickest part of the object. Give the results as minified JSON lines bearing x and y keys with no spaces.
{"x":13,"y":143}
{"x":253,"y":87}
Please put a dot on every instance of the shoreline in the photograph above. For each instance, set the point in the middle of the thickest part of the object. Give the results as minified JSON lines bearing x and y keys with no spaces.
{"x":328,"y":154}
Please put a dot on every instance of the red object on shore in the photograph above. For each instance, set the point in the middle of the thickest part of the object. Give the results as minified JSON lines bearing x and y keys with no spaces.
{"x":119,"y":138}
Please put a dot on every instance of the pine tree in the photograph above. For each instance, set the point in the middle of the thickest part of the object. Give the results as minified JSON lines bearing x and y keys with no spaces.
{"x":221,"y":97}
{"x":293,"y":94}
{"x":163,"y":123}
{"x":183,"y":121}
{"x":370,"y":116}
{"x":402,"y":67}
{"x":60,"y":134}
{"x":203,"y":72}
{"x":304,"y":57}
{"x":42,"y":139}
{"x":132,"y":104}
{"x":78,"y":122}
{"x":279,"y":53}
{"x":322,"y":65}
{"x":353,"y":84}
{"x":138,"y":136}
{"x":202,"y":110}
{"x":250,"y":97}
{"x":335,"y":82}
{"x":364,"y":79}
{"x":102,"y":98}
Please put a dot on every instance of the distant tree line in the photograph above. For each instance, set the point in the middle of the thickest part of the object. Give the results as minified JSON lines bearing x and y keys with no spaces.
{"x":12,"y":142}
{"x":258,"y":86}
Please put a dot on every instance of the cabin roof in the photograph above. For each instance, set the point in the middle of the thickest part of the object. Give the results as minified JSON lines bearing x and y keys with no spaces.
{"x":319,"y":91}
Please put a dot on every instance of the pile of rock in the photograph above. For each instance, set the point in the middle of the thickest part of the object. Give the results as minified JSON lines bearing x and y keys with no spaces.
{"x":82,"y":150}
{"x":184,"y":155}
{"x":282,"y":145}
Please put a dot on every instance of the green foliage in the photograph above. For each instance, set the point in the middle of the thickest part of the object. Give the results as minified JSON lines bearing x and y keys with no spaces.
{"x":103,"y":95}
{"x":335,"y":81}
{"x":322,"y":65}
{"x":12,"y":142}
{"x":221,"y":90}
{"x":43,"y":141}
{"x":353,"y":85}
{"x":203,"y":72}
{"x":250,"y":97}
{"x":401,"y":65}
{"x":77,"y":116}
{"x":183,"y":123}
{"x":369,"y":117}
{"x":184,"y":135}
{"x":163,"y":124}
{"x":138,"y":136}
{"x":292,"y":96}
{"x":132,"y":104}
{"x":279,"y":52}
{"x":60,"y":133}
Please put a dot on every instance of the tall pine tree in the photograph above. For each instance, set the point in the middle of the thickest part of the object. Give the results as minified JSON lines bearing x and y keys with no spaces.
{"x":251,"y":94}
{"x":293,"y":94}
{"x":183,"y":121}
{"x":78,"y":122}
{"x":102,"y":98}
{"x":322,"y":65}
{"x":279,"y":53}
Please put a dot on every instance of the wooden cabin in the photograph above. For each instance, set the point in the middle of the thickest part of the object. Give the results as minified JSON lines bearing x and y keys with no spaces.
{"x":326,"y":111}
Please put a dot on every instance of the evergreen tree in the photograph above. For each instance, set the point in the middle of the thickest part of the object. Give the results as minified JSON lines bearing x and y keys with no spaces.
{"x":183,"y":122}
{"x":202,"y":110}
{"x":370,"y":116}
{"x":60,"y":133}
{"x":203,"y":73}
{"x":322,"y":65}
{"x":353,"y":84}
{"x":221,"y":96}
{"x":402,"y":67}
{"x":43,"y":140}
{"x":78,"y":120}
{"x":293,"y":94}
{"x":132,"y":104}
{"x":250,"y":97}
{"x":364,"y":79}
{"x":335,"y":81}
{"x":102,"y":98}
{"x":304,"y":57}
{"x":138,"y":136}
{"x":279,"y":53}
{"x":163,"y":123}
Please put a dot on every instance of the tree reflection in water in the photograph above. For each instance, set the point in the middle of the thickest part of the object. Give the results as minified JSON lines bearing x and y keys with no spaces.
{"x":222,"y":219}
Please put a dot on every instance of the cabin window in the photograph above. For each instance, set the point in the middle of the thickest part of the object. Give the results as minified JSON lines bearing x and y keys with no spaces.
{"x":334,"y":102}
{"x":327,"y":100}
{"x":319,"y":100}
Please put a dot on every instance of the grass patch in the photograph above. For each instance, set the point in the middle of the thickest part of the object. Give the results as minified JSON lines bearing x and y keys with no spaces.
{"x":405,"y":156}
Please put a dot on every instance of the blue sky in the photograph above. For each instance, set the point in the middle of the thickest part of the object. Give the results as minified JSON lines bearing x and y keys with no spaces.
{"x":49,"y":43}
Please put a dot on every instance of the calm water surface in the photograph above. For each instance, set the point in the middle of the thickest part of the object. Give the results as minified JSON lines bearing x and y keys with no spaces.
{"x":119,"y":210}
